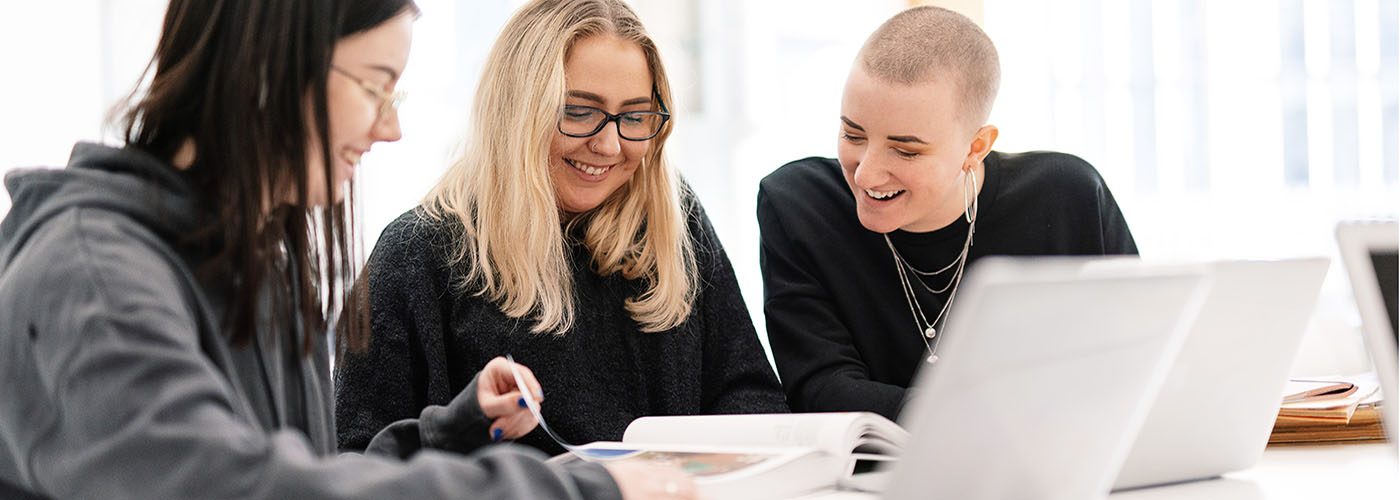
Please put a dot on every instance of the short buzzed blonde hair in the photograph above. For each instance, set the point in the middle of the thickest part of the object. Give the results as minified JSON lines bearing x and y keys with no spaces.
{"x":928,"y":43}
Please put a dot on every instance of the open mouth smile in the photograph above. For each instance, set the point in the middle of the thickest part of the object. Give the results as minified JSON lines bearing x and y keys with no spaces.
{"x":586,"y":168}
{"x":883,"y":195}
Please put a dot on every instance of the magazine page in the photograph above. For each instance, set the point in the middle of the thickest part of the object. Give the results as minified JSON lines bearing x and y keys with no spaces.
{"x":838,"y":434}
{"x":728,"y":472}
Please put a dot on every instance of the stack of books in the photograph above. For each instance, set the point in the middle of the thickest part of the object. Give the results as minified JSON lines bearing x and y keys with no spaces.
{"x":1329,"y":410}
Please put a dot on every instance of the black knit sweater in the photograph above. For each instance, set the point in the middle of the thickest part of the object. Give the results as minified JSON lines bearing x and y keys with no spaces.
{"x":840,"y":327}
{"x":429,"y":338}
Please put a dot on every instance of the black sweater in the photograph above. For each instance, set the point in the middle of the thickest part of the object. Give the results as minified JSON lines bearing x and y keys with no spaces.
{"x":841,"y":330}
{"x":429,"y":338}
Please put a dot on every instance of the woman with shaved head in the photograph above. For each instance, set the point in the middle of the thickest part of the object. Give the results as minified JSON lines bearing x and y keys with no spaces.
{"x":862,"y":255}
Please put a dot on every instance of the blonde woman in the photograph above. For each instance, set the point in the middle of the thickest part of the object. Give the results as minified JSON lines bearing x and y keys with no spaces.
{"x":564,"y":238}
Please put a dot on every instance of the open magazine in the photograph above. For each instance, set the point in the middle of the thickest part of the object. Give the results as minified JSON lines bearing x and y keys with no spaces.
{"x":756,"y":456}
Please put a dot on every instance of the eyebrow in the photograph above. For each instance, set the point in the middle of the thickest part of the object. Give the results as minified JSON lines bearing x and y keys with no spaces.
{"x":906,"y":139}
{"x":583,"y":94}
{"x":852,"y":124}
{"x":393,"y":75}
{"x":895,"y":138}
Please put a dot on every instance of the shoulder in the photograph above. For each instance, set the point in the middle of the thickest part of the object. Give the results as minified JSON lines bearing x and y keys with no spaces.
{"x":709,"y":254}
{"x":416,"y":237}
{"x":115,"y":250}
{"x":697,"y":223}
{"x":418,"y":227}
{"x":1047,"y":179}
{"x":806,"y":177}
{"x":93,"y":265}
{"x":696,"y":218}
{"x":1047,"y":168}
{"x":808,"y":190}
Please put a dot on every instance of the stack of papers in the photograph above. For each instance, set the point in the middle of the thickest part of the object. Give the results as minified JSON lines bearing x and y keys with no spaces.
{"x":1329,"y":409}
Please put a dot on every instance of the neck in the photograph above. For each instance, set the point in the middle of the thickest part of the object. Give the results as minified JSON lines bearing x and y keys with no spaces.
{"x":184,"y":159}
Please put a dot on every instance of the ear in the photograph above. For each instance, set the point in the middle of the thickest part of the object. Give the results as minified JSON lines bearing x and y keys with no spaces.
{"x":982,"y":141}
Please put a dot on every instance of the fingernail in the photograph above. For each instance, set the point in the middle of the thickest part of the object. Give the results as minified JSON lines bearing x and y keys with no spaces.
{"x":496,"y":435}
{"x":521,"y":401}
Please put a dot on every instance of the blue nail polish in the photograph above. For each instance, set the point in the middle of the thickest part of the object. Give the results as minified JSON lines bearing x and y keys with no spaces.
{"x":522,"y":403}
{"x":496,"y":435}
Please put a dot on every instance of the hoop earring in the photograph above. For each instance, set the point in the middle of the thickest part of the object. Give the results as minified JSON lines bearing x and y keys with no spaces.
{"x":970,"y":191}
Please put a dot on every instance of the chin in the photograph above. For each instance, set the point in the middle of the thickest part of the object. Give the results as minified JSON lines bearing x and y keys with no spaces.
{"x":877,"y":224}
{"x":578,"y":206}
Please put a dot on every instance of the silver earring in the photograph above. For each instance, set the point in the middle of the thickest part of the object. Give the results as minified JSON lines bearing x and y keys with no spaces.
{"x":970,"y":194}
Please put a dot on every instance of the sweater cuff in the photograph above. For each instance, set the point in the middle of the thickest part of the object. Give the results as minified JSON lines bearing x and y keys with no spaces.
{"x":461,"y":426}
{"x":593,"y":480}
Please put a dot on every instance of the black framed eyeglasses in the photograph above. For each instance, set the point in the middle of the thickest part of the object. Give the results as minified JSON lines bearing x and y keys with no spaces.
{"x":585,"y":121}
{"x":387,"y":100}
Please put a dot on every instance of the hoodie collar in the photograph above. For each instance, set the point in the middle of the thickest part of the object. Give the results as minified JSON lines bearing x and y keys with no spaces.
{"x":122,"y":180}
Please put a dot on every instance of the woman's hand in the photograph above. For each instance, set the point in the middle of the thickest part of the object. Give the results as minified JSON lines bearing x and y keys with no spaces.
{"x":503,"y":402}
{"x":648,"y":481}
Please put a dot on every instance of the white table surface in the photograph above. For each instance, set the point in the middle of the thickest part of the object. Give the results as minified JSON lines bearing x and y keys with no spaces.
{"x":1315,"y":472}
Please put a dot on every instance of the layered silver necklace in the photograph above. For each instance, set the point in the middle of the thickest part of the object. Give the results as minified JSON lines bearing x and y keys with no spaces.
{"x":928,"y":330}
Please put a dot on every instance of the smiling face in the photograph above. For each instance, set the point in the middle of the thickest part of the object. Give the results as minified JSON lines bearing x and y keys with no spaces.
{"x":358,"y":118}
{"x":903,"y":149}
{"x":611,"y":74}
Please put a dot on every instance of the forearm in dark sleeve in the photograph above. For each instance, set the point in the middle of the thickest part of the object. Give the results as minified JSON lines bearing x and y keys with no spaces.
{"x":816,"y":356}
{"x":147,"y":416}
{"x":820,"y":370}
{"x":460,"y":427}
{"x":501,"y":471}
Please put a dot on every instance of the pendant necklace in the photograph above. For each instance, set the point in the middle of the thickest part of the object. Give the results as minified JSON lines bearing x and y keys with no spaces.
{"x":928,"y":330}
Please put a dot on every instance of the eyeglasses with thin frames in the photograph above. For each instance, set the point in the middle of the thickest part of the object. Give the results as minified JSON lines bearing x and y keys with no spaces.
{"x":387,"y":100}
{"x":586,"y":121}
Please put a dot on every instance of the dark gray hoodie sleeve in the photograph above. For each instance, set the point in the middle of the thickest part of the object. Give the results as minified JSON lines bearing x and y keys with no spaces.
{"x":114,"y":397}
{"x":460,"y":426}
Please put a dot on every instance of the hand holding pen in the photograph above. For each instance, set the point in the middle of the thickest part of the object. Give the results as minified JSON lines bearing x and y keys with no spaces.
{"x":635,"y":480}
{"x":502,"y":400}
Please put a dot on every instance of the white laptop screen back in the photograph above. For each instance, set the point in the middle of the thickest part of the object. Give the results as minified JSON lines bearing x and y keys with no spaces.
{"x":1043,"y":379}
{"x":1218,"y":404}
{"x":1369,"y":251}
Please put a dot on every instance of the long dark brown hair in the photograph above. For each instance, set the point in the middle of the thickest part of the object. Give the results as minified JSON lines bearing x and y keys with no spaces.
{"x":244,"y":83}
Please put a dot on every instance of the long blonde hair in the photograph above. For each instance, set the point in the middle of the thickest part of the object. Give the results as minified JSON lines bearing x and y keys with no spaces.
{"x":512,"y":244}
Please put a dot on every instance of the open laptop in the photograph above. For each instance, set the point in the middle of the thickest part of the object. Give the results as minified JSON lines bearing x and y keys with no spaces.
{"x":1369,"y":251}
{"x":1218,"y":404}
{"x":1046,"y":373}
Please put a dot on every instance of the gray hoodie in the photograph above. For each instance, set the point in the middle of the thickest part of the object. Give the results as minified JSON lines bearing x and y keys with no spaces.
{"x":119,"y":383}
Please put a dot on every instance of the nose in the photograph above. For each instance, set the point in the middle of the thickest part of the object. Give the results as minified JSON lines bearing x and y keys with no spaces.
{"x":868,"y":172}
{"x":386,"y":128}
{"x":606,"y":142}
